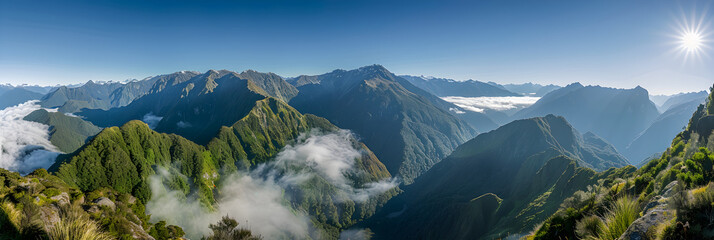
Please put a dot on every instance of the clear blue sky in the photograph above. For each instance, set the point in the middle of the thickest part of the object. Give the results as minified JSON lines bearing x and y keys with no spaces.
{"x":610,"y":43}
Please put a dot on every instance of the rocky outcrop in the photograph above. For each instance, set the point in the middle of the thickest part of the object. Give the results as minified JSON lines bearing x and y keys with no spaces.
{"x":654,"y":213}
{"x":102,"y":201}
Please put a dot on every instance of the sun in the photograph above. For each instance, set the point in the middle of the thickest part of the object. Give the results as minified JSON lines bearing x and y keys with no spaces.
{"x":691,"y":41}
{"x":692,"y":37}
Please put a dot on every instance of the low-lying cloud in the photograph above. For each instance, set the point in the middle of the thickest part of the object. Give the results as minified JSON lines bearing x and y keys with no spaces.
{"x":257,"y":198}
{"x":256,"y":204}
{"x":24,"y":144}
{"x":479,"y":104}
{"x":151,"y":120}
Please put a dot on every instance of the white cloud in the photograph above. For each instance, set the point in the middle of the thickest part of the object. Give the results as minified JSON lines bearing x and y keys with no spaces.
{"x":24,"y":144}
{"x":356,"y":234}
{"x":331,"y":156}
{"x":456,"y":110}
{"x":479,"y":104}
{"x":182,"y":124}
{"x":151,"y":120}
{"x":256,"y":204}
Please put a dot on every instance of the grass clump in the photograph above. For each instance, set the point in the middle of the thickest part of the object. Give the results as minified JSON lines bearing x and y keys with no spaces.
{"x":612,"y":224}
{"x":74,"y":225}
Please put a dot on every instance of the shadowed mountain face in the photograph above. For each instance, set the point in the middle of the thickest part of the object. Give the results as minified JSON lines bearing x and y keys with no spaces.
{"x":408,"y":129}
{"x":448,"y":87}
{"x":196,"y":108}
{"x":616,"y":115}
{"x":15,"y":96}
{"x":506,"y":180}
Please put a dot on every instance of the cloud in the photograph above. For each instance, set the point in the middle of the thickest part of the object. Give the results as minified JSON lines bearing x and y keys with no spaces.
{"x":330,"y":156}
{"x":151,"y":120}
{"x":456,"y":110}
{"x":258,"y":198}
{"x":356,"y":234}
{"x":182,"y":124}
{"x":255,"y":203}
{"x":24,"y":144}
{"x":479,"y":104}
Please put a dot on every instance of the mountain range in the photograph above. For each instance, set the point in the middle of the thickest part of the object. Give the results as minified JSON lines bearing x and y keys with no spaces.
{"x":616,"y":115}
{"x":528,"y":89}
{"x":443,"y":87}
{"x":360,"y":153}
{"x":16,"y":96}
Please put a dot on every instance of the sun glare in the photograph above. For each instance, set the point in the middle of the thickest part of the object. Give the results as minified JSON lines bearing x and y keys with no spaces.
{"x":691,"y":41}
{"x":692,"y":36}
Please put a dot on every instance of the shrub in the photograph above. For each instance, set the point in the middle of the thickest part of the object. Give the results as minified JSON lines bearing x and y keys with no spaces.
{"x":226,"y":229}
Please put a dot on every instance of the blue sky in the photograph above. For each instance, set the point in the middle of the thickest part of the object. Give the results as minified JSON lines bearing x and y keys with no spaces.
{"x":609,"y":43}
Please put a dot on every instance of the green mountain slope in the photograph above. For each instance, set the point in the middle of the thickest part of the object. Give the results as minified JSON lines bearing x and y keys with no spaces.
{"x":409,"y":129}
{"x":66,"y":133}
{"x":123,"y":159}
{"x":531,"y":165}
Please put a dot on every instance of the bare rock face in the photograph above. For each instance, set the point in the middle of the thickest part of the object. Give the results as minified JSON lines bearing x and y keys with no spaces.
{"x":102,"y":201}
{"x":655,"y":212}
{"x":62,"y":198}
{"x":49,"y":215}
{"x":138,"y":232}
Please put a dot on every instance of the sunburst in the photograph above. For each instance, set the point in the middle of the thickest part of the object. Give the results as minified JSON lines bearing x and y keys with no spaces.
{"x":692,"y":36}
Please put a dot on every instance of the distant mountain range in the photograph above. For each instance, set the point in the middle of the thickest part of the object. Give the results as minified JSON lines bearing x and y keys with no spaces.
{"x":443,"y":87}
{"x":681,"y":98}
{"x":105,"y":95}
{"x":507,"y":180}
{"x":196,"y":106}
{"x":616,"y":115}
{"x":528,"y":89}
{"x":15,"y":96}
{"x":657,"y":136}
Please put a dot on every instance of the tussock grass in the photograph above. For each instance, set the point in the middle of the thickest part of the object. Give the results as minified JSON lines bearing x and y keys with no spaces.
{"x":619,"y":216}
{"x":12,"y":215}
{"x":612,"y":224}
{"x":590,"y":227}
{"x":76,"y":226}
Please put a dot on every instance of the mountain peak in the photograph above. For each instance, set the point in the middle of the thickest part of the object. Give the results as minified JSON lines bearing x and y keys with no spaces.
{"x":574,"y":85}
{"x":375,"y":68}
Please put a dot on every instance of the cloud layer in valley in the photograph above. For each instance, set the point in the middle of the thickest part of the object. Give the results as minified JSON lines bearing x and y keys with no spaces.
{"x":479,"y":104}
{"x":257,"y":198}
{"x":24,"y":144}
